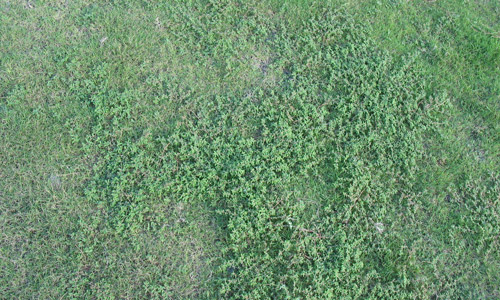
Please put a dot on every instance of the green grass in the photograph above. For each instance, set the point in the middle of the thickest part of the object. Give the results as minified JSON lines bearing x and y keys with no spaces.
{"x":250,"y":149}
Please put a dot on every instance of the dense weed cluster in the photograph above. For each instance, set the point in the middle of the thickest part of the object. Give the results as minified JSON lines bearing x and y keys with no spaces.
{"x":298,"y":174}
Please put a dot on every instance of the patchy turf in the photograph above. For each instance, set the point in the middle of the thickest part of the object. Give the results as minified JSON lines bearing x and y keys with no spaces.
{"x":250,"y":150}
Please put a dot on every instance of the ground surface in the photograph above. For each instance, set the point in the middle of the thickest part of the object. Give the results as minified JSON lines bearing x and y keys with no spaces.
{"x":250,"y":149}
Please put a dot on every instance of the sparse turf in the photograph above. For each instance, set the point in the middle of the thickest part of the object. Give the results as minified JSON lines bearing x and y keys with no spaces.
{"x":250,"y":149}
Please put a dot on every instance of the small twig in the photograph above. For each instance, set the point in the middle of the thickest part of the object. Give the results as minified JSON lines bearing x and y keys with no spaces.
{"x":318,"y":235}
{"x":478,"y":29}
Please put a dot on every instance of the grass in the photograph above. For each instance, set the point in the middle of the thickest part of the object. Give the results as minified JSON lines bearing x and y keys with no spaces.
{"x":250,"y":149}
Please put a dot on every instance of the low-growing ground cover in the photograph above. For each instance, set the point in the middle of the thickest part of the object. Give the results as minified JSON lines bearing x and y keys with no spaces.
{"x":250,"y":150}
